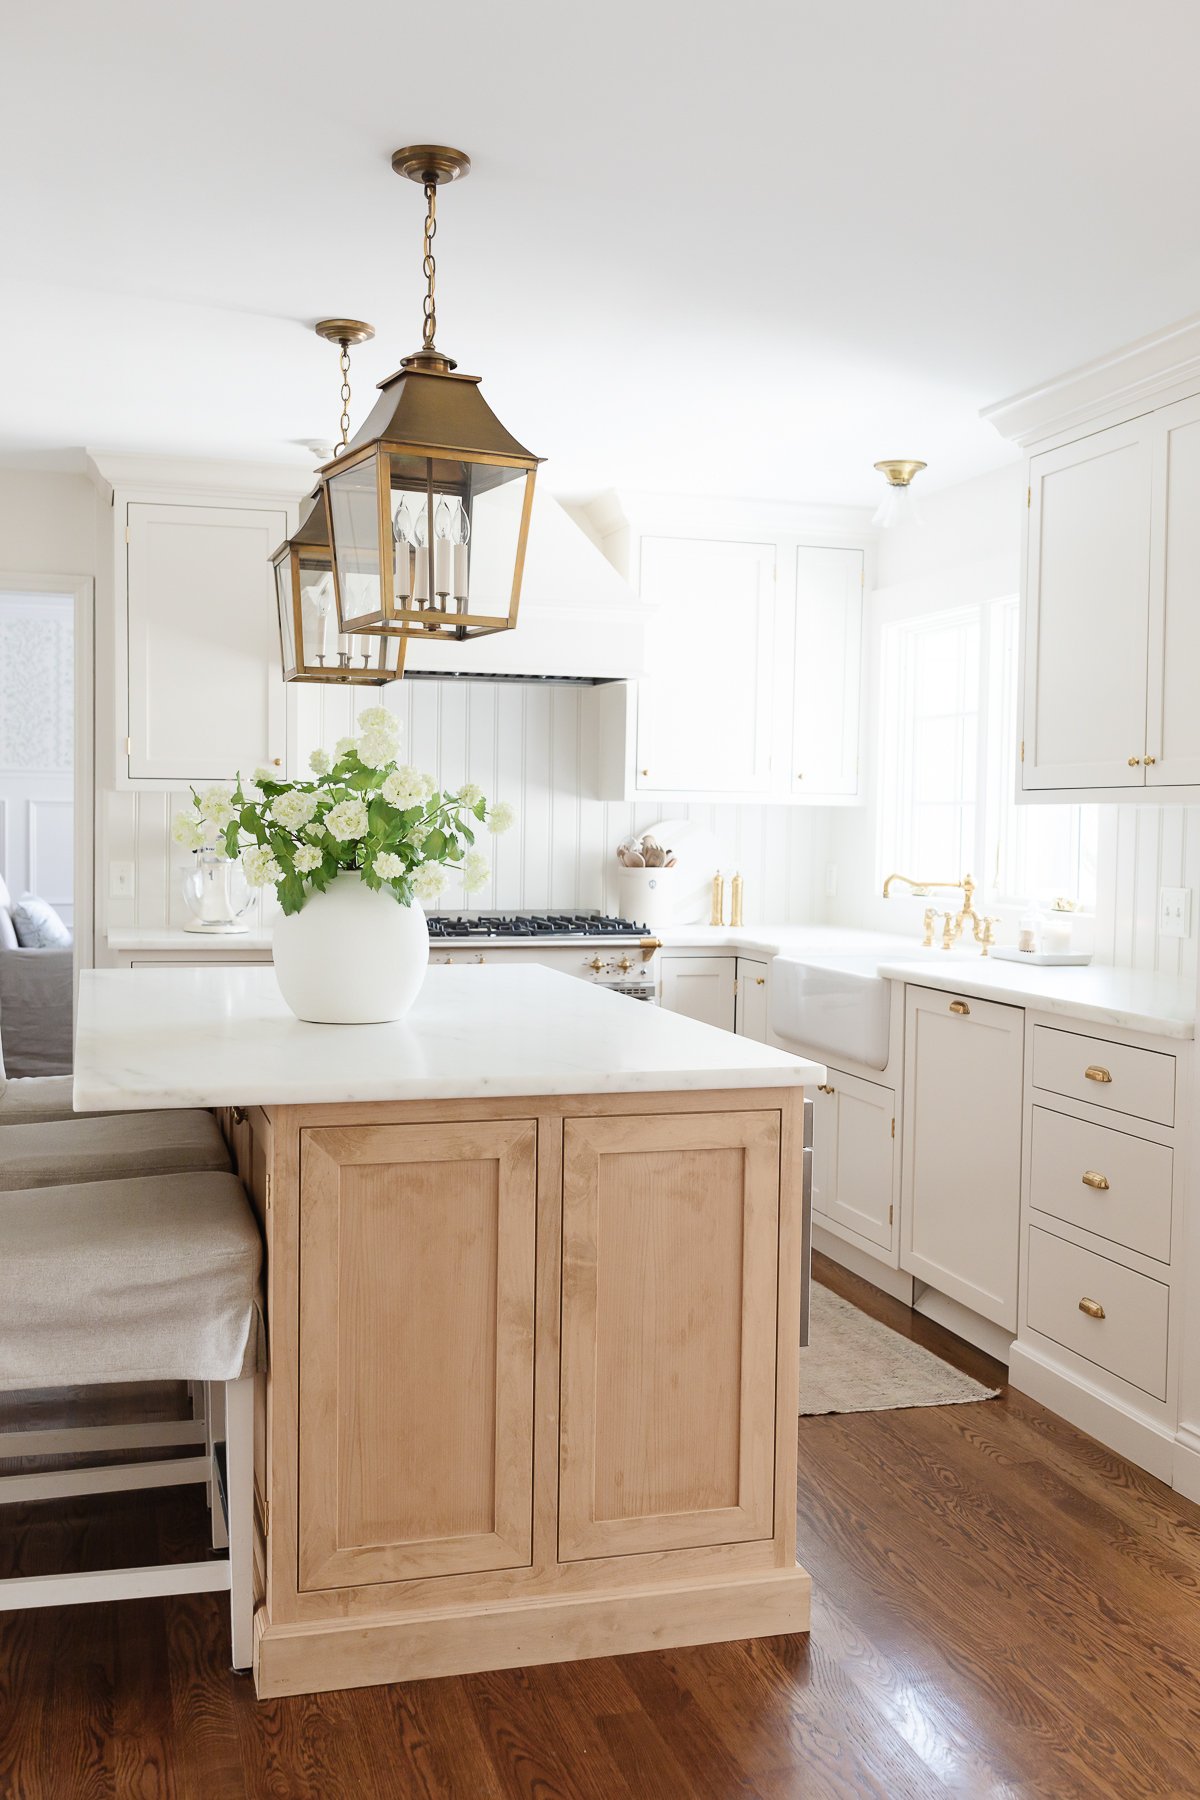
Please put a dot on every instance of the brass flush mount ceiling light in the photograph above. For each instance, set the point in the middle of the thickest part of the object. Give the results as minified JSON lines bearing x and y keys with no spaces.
{"x":898,"y":506}
{"x":428,"y":509}
{"x":312,"y":645}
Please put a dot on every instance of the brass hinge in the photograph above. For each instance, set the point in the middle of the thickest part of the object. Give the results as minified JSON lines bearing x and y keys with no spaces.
{"x":129,"y":746}
{"x":127,"y":534}
{"x":1022,"y":749}
{"x":1029,"y":496}
{"x":266,"y":1518}
{"x":893,"y":1127}
{"x":268,"y":1190}
{"x":735,"y":985}
{"x":891,"y":1210}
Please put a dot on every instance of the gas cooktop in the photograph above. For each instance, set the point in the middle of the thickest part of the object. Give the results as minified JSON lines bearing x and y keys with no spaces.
{"x":532,"y":925}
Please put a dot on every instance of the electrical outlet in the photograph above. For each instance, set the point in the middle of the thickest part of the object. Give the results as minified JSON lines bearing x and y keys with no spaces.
{"x":1175,"y":912}
{"x":831,"y":881}
{"x":120,"y":880}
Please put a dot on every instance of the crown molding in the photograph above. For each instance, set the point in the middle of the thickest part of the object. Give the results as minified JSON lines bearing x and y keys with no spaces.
{"x":1137,"y":377}
{"x":715,"y":516}
{"x":196,"y":475}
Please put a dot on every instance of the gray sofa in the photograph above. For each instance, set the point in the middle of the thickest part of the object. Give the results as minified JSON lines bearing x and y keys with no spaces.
{"x":35,"y":1011}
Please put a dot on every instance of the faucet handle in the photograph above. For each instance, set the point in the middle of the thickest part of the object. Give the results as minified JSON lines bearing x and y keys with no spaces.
{"x":930,"y":917}
{"x":947,"y":930}
{"x":988,"y":936}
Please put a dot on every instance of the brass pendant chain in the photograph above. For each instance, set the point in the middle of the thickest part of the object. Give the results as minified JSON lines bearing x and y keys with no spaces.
{"x":344,"y":365}
{"x":430,"y":266}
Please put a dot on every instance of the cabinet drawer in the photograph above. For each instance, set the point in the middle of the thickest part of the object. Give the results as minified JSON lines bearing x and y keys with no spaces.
{"x":1129,"y":1341}
{"x":1126,"y":1080}
{"x":1106,"y":1181}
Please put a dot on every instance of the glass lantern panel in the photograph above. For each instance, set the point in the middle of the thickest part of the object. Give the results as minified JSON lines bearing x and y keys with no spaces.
{"x":283,"y":599}
{"x":318,"y":611}
{"x":476,"y":528}
{"x":354,"y":515}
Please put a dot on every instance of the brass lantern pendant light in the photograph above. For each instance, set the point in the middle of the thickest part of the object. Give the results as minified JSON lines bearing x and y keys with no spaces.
{"x":428,"y":509}
{"x":311,"y":642}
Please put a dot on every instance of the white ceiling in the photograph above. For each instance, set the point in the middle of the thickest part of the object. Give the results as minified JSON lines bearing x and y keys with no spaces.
{"x":741,"y":248}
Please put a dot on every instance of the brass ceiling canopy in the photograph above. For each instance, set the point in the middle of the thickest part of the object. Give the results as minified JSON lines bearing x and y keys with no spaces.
{"x":312,"y":646}
{"x":899,"y":473}
{"x":428,"y":505}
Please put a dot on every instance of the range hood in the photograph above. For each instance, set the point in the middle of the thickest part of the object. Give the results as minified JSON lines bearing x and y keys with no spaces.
{"x":579,"y":619}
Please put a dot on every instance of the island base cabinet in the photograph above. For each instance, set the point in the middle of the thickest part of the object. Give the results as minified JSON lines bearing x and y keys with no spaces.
{"x":533,"y":1381}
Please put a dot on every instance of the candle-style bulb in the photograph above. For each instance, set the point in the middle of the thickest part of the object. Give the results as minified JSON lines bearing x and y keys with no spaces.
{"x":460,"y":531}
{"x":442,"y":577}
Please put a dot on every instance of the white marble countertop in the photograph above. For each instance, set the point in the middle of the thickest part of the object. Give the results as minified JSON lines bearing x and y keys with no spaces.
{"x":223,"y":1037}
{"x":146,"y":937}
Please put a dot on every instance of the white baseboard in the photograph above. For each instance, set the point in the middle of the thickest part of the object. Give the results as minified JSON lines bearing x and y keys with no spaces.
{"x":993,"y":1339}
{"x":1185,"y":1470}
{"x":1147,"y":1442}
{"x":892,"y":1281}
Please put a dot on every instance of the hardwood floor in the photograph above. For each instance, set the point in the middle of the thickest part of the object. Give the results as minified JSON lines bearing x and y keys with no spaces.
{"x":1002,"y":1609}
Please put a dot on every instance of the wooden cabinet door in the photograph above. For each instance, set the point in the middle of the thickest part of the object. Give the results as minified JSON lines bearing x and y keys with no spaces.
{"x":416,"y":1350}
{"x":750,"y":1010}
{"x":1087,"y":612}
{"x":827,"y":659}
{"x":700,"y":987}
{"x":670,"y":1265}
{"x":206,"y":694}
{"x":854,"y":1154}
{"x":1172,"y":716}
{"x":961,"y":1184}
{"x":704,"y":716}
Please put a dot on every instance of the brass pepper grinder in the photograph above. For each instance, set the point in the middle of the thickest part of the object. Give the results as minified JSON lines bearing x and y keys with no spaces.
{"x":717,"y":914}
{"x":735,"y":901}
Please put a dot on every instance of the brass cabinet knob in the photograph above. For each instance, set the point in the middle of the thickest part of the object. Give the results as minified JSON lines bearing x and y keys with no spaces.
{"x":1149,"y":760}
{"x":1092,"y":1308}
{"x":1135,"y":762}
{"x":645,"y":771}
{"x":959,"y":1006}
{"x":1094,"y":1072}
{"x":760,"y":981}
{"x":277,"y":762}
{"x":800,"y":776}
{"x":1091,"y":1179}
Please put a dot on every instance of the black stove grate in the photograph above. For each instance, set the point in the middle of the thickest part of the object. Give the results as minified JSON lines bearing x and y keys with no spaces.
{"x":531,"y":925}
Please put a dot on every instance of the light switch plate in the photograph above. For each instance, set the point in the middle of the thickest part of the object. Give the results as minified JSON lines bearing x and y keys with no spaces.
{"x":1175,"y":912}
{"x":120,"y":880}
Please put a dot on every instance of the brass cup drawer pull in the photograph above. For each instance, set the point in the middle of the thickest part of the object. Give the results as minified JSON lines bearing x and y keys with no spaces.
{"x":1092,"y":1308}
{"x":1094,"y":1072}
{"x":1091,"y":1179}
{"x":960,"y":1007}
{"x":824,"y":1088}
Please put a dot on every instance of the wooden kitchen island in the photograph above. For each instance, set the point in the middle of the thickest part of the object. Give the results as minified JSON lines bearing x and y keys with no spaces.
{"x":533,"y":1284}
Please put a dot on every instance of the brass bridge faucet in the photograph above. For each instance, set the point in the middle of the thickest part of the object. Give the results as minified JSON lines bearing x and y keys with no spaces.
{"x":982,"y":930}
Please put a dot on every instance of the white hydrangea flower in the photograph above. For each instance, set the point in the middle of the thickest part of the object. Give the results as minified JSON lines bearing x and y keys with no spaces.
{"x":389,"y":865}
{"x":376,"y":750}
{"x":429,"y":881}
{"x":476,"y":870}
{"x":378,"y":718}
{"x":469,"y":794}
{"x":403,"y":788}
{"x":501,"y":817}
{"x":348,"y":819}
{"x":320,"y":762}
{"x":216,"y":806}
{"x":293,"y":810}
{"x":263,"y":776}
{"x":344,"y":746}
{"x":418,"y":834}
{"x":315,"y":832}
{"x":188,"y":831}
{"x":261,"y":867}
{"x":307,"y":857}
{"x":429,"y":786}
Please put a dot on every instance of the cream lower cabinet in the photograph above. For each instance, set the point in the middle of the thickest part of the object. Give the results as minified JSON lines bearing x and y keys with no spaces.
{"x":961,"y":1180}
{"x":700,"y":987}
{"x":668,"y":1429}
{"x":854,"y":1163}
{"x":750,"y":1008}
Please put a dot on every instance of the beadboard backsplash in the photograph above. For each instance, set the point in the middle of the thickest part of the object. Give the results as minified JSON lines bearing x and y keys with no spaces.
{"x":1143,"y":849}
{"x":527,"y":743}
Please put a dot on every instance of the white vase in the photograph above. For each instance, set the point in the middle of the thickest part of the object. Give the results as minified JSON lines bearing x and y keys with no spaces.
{"x":352,"y":955}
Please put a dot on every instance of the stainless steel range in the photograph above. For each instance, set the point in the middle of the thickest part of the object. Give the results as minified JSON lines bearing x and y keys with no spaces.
{"x":612,"y":953}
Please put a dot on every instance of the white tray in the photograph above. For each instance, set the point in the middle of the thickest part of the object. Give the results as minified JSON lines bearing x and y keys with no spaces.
{"x":1040,"y":959}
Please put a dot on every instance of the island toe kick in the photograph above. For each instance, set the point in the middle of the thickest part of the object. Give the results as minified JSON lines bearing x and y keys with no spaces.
{"x":533,"y":1380}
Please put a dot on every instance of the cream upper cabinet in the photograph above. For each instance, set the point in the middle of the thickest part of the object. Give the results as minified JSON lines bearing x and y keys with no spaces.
{"x":1087,"y":612}
{"x":205,"y":687}
{"x":1172,"y":716}
{"x":702,"y":724}
{"x":826,"y":658}
{"x":961,"y":1180}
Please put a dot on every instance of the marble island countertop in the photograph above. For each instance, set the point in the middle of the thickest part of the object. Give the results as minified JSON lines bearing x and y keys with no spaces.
{"x":177,"y":1037}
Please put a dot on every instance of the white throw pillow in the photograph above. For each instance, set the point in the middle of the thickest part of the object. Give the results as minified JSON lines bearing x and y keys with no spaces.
{"x":38,"y":926}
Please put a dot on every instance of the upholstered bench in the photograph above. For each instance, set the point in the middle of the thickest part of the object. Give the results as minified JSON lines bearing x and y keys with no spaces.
{"x":109,"y":1148}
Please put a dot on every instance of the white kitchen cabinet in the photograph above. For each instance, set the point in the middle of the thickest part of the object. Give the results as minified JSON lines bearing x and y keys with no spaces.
{"x":961,"y":1181}
{"x":700,"y":987}
{"x":702,"y":725}
{"x":1087,"y":611}
{"x":1172,"y":716}
{"x":854,"y":1162}
{"x":824,"y":621}
{"x":196,"y":611}
{"x":750,"y":1010}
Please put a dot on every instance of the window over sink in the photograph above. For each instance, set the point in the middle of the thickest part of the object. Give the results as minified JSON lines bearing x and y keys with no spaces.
{"x":948,"y":764}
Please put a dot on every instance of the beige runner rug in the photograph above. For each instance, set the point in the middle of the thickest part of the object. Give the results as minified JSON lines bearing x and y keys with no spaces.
{"x":855,"y":1364}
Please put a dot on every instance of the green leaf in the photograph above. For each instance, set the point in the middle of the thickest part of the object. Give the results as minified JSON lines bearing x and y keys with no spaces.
{"x":434,"y":846}
{"x":291,"y":892}
{"x":231,"y":838}
{"x":480,"y":810}
{"x":371,"y":879}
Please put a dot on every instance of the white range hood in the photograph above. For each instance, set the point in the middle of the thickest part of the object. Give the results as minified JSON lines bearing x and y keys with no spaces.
{"x":578,"y":617}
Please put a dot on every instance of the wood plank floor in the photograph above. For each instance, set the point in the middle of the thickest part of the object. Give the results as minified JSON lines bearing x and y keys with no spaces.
{"x":1004,"y":1609}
